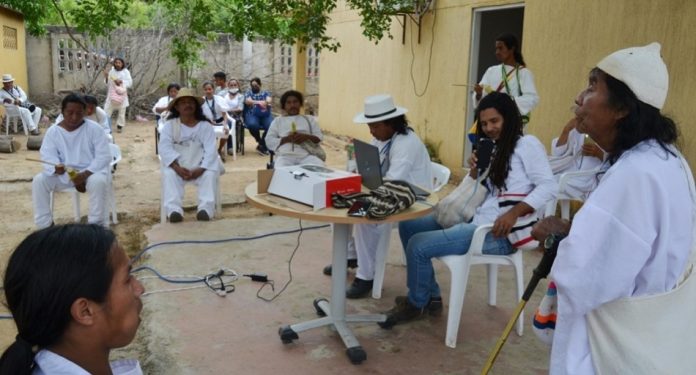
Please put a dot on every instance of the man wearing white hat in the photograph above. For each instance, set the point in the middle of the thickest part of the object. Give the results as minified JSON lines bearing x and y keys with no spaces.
{"x":634,"y":233}
{"x":13,"y":96}
{"x":403,"y":157}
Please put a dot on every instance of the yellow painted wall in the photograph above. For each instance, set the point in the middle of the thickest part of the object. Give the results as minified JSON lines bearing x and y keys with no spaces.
{"x":14,"y":61}
{"x":563,"y":39}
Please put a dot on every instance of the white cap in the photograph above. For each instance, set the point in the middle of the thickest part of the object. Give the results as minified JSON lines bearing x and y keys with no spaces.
{"x":642,"y":70}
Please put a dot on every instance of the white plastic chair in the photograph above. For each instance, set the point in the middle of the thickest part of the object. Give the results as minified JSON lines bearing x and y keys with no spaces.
{"x":163,"y":212}
{"x":459,"y":266}
{"x":115,"y":158}
{"x":12,"y":116}
{"x":564,"y":198}
{"x":441,"y":175}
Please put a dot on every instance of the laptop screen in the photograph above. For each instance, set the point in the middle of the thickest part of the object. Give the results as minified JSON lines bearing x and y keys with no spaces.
{"x":367,"y":159}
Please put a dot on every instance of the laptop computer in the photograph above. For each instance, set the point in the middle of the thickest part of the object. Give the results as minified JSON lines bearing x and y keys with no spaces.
{"x":369,"y":168}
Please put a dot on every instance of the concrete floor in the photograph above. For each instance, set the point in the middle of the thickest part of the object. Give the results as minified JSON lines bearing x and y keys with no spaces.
{"x":198,"y":332}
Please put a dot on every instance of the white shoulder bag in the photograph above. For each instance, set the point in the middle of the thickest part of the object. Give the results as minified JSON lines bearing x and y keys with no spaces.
{"x":653,"y":334}
{"x":460,"y":205}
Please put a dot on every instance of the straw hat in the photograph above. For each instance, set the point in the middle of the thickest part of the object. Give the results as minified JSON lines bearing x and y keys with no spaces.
{"x":642,"y":70}
{"x":378,"y":108}
{"x":185,"y":92}
{"x":7,"y":78}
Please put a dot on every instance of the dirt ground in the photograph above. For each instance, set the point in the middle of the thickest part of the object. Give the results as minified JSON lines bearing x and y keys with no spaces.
{"x":137,"y":188}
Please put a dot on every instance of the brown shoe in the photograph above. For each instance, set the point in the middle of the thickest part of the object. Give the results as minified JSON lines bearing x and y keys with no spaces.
{"x":434,"y":306}
{"x":401,"y":313}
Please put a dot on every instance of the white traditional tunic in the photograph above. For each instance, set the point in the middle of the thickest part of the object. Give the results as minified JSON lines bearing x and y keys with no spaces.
{"x":289,"y":153}
{"x":569,"y":158}
{"x":529,"y":176}
{"x":214,"y":110}
{"x":162,"y":102}
{"x":408,"y":161}
{"x":111,"y":106}
{"x":85,"y":148}
{"x":632,"y":237}
{"x":31,"y":119}
{"x":49,"y":363}
{"x":493,"y":79}
{"x":172,"y":184}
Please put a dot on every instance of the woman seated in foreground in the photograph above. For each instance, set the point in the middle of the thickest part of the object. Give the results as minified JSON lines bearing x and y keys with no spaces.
{"x":73,"y":299}
{"x":518,"y":183}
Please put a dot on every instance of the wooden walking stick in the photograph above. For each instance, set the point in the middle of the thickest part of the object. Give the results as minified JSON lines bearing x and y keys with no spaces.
{"x":540,"y":272}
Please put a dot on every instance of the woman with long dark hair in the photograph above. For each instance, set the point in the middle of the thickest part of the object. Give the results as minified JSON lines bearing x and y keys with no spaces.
{"x":633,"y":235}
{"x":519,"y":182}
{"x":73,"y":299}
{"x":118,"y":81}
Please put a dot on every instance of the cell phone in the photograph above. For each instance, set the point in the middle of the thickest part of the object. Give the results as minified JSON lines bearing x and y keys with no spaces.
{"x":359,"y":208}
{"x":484,"y":151}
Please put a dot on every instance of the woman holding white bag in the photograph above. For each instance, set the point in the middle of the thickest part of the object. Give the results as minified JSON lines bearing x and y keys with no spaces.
{"x":519,"y":182}
{"x":118,"y":81}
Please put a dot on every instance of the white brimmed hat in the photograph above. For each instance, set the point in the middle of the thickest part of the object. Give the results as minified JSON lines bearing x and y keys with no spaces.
{"x":185,"y":92}
{"x":7,"y":78}
{"x":378,"y":108}
{"x":642,"y":70}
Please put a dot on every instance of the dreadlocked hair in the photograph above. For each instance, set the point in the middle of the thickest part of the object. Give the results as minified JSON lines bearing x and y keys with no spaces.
{"x":642,"y":121}
{"x":512,"y":131}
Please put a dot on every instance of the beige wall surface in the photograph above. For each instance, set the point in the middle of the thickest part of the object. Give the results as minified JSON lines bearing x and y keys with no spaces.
{"x":563,"y":39}
{"x":14,"y":61}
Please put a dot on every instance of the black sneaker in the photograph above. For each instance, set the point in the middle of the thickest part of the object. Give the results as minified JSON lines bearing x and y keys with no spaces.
{"x":434,"y":306}
{"x":202,"y":215}
{"x":119,"y":129}
{"x":359,"y":289}
{"x":403,"y":312}
{"x":352,"y":263}
{"x":175,"y":217}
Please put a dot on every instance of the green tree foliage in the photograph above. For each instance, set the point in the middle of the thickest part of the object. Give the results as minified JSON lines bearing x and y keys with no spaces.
{"x":194,"y":21}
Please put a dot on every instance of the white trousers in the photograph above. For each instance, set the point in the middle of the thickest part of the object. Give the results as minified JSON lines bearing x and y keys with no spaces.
{"x":110,"y":107}
{"x":43,"y":185}
{"x":27,"y":118}
{"x":286,"y":161}
{"x":173,"y":189}
{"x":36,"y":116}
{"x":367,"y":238}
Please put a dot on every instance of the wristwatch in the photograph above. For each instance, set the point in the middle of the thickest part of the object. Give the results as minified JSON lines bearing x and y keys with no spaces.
{"x":552,"y":240}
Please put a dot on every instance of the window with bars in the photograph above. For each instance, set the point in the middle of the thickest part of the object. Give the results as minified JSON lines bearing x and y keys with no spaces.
{"x":312,"y":62}
{"x":286,"y":59}
{"x":9,"y":37}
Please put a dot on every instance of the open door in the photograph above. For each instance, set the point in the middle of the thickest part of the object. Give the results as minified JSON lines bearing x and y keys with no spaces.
{"x":488,"y":23}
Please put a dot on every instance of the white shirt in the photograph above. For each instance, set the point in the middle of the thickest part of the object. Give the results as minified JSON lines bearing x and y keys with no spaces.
{"x":569,"y":158}
{"x":162,"y":102}
{"x":408,"y":159}
{"x":49,"y":363}
{"x":236,"y":103}
{"x":15,"y":92}
{"x":218,"y":105}
{"x":632,"y":237}
{"x":203,"y":133}
{"x":86,"y":148}
{"x":125,"y":76}
{"x":282,"y":126}
{"x":494,"y":77}
{"x":529,"y":174}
